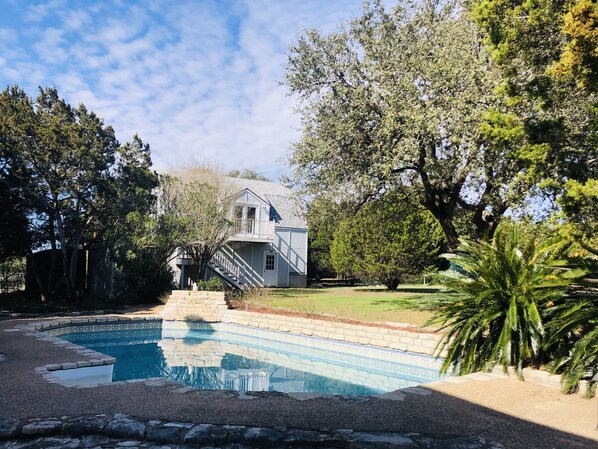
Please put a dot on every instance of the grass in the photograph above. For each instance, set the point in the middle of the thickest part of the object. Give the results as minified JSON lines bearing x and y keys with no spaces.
{"x":410,"y":304}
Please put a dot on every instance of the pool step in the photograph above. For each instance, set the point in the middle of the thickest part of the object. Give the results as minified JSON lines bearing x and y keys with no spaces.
{"x":183,"y":305}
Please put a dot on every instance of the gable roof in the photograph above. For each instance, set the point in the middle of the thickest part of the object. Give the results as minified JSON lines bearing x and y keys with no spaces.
{"x":280,"y":198}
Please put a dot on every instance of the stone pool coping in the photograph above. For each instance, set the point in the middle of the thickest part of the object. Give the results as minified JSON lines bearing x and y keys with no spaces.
{"x":50,"y":371}
{"x":93,"y":358}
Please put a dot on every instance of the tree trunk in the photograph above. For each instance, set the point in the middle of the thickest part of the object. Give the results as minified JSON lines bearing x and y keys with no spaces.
{"x":448,"y":227}
{"x":443,"y":211}
{"x":51,"y":280}
{"x":486,"y":222}
{"x":391,"y":284}
{"x":65,"y":263}
{"x":36,"y":275}
{"x":73,"y":269}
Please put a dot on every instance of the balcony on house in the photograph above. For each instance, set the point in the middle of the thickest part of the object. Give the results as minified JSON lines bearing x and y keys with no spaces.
{"x":252,"y":230}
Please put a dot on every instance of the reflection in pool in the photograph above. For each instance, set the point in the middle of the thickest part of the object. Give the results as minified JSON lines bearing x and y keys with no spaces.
{"x":231,"y":357}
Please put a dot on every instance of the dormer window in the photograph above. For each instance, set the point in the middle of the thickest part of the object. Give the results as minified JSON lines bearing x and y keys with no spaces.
{"x":246,"y":217}
{"x":251,"y":215}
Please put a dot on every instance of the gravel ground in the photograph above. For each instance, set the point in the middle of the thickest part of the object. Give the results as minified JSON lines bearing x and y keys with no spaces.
{"x":504,"y":410}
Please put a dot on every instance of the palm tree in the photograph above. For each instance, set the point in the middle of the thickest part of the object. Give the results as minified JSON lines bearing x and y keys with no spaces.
{"x":573,"y":337}
{"x":496,"y":314}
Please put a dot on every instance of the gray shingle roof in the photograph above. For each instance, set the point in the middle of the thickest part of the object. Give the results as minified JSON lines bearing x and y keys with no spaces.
{"x":279,"y":197}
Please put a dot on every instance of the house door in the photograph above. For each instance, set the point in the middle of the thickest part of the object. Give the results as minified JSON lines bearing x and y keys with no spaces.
{"x":270,"y":269}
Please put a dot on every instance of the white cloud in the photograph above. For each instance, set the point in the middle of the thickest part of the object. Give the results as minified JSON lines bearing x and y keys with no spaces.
{"x":197,"y":80}
{"x":37,"y":13}
{"x":49,"y":47}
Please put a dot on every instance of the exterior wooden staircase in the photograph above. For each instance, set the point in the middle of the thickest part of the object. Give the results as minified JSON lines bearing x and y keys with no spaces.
{"x":227,"y":270}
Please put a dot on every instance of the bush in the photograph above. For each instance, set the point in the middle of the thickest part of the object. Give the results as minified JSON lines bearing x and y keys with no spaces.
{"x":573,"y":334}
{"x":211,"y":285}
{"x":499,"y":312}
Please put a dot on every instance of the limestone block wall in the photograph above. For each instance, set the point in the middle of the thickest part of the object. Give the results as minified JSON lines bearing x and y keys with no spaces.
{"x":183,"y":305}
{"x":406,"y":340}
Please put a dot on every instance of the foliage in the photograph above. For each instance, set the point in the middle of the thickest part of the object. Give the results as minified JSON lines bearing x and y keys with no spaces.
{"x":15,"y":238}
{"x":15,"y":191}
{"x":573,"y":331}
{"x":211,"y":285}
{"x":199,"y":200}
{"x":386,"y":241}
{"x":555,"y":38}
{"x":247,"y":173}
{"x":81,"y":182}
{"x":579,"y":58}
{"x":323,"y":218}
{"x":400,"y":99}
{"x":12,"y":274}
{"x":498,"y":315}
{"x":546,"y":50}
{"x":142,"y":255}
{"x":580,"y":207}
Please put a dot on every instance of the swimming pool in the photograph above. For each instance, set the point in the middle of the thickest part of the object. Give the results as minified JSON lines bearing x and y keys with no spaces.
{"x":223,"y":356}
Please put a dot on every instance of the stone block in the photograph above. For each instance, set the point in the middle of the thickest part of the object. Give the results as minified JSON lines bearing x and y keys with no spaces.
{"x":68,"y":365}
{"x":263,"y":437}
{"x":42,"y":427}
{"x":8,"y":427}
{"x":204,"y":434}
{"x":125,"y":428}
{"x":85,"y":425}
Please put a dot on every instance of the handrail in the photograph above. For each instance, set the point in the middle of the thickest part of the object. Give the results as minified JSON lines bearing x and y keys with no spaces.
{"x":227,"y":264}
{"x":230,"y":260}
{"x":253,"y":228}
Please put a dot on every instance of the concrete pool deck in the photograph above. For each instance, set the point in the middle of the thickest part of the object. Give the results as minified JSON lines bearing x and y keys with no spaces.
{"x":504,"y":410}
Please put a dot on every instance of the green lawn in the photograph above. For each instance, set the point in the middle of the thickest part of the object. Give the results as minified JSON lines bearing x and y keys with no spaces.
{"x":410,"y":304}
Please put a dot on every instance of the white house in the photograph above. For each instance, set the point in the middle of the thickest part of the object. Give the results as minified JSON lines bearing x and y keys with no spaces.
{"x":269,"y":246}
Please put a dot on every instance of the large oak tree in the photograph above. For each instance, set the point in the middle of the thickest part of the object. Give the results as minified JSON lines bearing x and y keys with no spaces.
{"x":405,"y":99}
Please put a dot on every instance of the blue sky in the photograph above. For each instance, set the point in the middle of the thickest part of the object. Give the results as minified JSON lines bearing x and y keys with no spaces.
{"x":197,"y":79}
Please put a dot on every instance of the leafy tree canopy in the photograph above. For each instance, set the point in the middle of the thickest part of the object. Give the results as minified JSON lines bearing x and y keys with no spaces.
{"x":247,"y":173}
{"x":323,"y":219}
{"x":200,"y":200}
{"x":547,"y":52}
{"x":387,"y":240}
{"x":406,"y":99}
{"x":82,"y":183}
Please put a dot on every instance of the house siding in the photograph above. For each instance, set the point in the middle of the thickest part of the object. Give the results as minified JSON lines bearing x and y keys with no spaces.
{"x":291,"y":246}
{"x":277,"y":227}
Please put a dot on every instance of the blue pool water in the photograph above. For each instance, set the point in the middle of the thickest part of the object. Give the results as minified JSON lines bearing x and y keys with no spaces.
{"x":230,"y":357}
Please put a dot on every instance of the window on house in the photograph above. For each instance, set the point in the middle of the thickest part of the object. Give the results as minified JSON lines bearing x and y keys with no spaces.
{"x":238,"y":212}
{"x":270,"y":262}
{"x":251,"y":225}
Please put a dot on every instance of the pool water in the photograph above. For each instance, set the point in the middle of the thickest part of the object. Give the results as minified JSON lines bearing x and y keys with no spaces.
{"x":230,"y":357}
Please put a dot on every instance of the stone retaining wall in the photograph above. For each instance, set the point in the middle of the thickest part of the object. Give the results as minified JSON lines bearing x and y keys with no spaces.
{"x":186,"y":305}
{"x":406,"y":340}
{"x":211,"y":307}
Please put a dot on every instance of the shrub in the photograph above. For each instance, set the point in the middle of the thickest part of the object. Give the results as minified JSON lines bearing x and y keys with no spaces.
{"x":573,"y":336}
{"x":211,"y":285}
{"x":497,"y":314}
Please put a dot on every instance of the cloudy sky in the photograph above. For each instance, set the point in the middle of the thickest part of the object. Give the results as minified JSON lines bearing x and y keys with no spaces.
{"x":196,"y":79}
